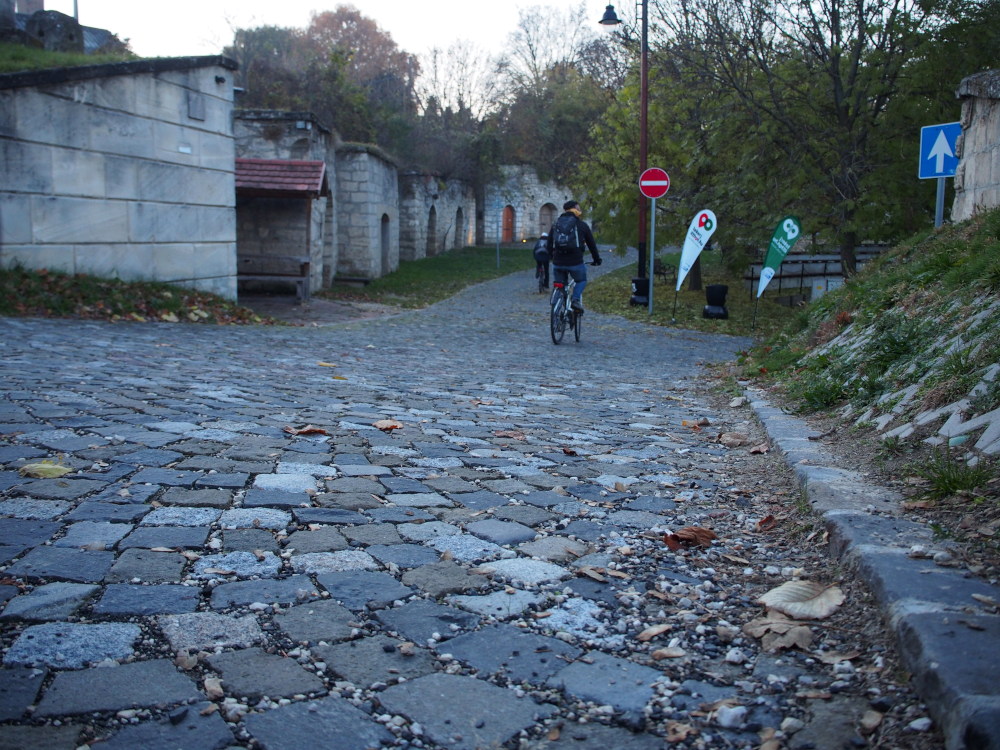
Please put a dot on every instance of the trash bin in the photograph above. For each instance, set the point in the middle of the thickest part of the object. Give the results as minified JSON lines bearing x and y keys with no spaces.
{"x":640,"y":292}
{"x":715,"y":294}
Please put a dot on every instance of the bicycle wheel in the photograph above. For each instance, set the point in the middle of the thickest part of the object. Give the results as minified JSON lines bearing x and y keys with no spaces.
{"x":577,"y":322}
{"x":557,"y":321}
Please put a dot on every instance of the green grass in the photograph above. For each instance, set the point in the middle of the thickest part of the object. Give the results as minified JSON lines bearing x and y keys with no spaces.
{"x":16,"y":58}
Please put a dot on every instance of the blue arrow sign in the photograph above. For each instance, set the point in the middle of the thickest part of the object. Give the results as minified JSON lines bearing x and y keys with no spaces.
{"x":937,"y":150}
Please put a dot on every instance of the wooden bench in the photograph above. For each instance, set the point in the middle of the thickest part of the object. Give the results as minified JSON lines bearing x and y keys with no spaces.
{"x":282,"y":268}
{"x":663,"y":271}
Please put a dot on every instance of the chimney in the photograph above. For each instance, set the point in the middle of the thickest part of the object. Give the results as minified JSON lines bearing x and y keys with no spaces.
{"x":30,"y":6}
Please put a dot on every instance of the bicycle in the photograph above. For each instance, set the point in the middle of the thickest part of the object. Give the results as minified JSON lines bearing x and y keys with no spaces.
{"x":540,"y":275}
{"x":562,"y":315}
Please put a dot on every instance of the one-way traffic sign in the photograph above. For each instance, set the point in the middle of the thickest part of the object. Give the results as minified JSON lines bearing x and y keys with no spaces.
{"x":937,"y":150}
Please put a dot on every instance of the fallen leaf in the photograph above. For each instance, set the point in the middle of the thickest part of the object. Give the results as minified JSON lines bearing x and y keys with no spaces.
{"x":804,"y":600}
{"x":218,"y":571}
{"x":733,"y":439}
{"x":387,"y":425}
{"x":569,"y":452}
{"x":668,"y":653}
{"x":651,"y":632}
{"x":672,"y":542}
{"x":306,"y":430}
{"x":737,"y":560}
{"x":617,"y":574}
{"x":987,"y":600}
{"x":44,"y":470}
{"x":799,"y":637}
{"x":588,"y":571}
{"x":327,"y":364}
{"x":677,"y":732}
{"x":833,"y":657}
{"x":695,"y":536}
{"x":339,"y":377}
{"x":761,"y":448}
{"x":169,"y":317}
{"x":767,"y":523}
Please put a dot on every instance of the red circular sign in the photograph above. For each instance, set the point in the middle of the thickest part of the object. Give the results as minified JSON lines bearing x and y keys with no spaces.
{"x":654,"y":183}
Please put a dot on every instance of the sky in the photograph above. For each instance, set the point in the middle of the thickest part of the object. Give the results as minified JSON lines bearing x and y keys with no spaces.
{"x":204,"y":27}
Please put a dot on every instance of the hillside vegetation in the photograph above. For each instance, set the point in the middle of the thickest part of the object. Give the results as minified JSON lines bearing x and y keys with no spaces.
{"x":901,"y":365}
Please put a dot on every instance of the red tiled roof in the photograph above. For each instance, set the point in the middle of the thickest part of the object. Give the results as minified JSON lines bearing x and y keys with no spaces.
{"x":281,"y":178}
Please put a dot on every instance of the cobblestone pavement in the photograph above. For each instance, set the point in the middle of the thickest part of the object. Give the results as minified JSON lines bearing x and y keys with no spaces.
{"x":412,"y":531}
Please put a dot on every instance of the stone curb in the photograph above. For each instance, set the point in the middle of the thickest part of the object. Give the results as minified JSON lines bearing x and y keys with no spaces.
{"x":948,"y":640}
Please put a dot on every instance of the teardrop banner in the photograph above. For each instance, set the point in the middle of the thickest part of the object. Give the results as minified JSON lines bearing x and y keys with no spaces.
{"x":702,"y":227}
{"x":785,"y":235}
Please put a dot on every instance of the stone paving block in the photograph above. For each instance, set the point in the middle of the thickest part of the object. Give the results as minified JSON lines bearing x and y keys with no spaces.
{"x":233,"y":480}
{"x":166,"y":477}
{"x":255,"y":518}
{"x":349,"y":501}
{"x":357,"y":485}
{"x":594,"y":736}
{"x":365,"y":661}
{"x":445,"y":577}
{"x":546,"y":499}
{"x":95,"y":511}
{"x":358,"y":590}
{"x":501,"y":605}
{"x":298,"y":483}
{"x":240,"y":564}
{"x":66,"y":645}
{"x":468,"y":548}
{"x":133,"y":494}
{"x":450,"y":484}
{"x":52,"y":601}
{"x":424,"y":532}
{"x":136,"y":600}
{"x":521,"y":569}
{"x":18,"y":689}
{"x":480,"y":500}
{"x":589,"y":531}
{"x":63,"y":563}
{"x":206,"y":630}
{"x":298,"y":725}
{"x":179,"y":537}
{"x":554,"y":549}
{"x":606,"y":679}
{"x":322,"y":620}
{"x":93,"y":535}
{"x":251,"y":673}
{"x":256,"y":498}
{"x":332,"y":562}
{"x":27,"y":508}
{"x":185,"y":728}
{"x":403,"y":485}
{"x":63,"y":737}
{"x":182,"y":517}
{"x":143,"y":683}
{"x":7,"y":592}
{"x":396,"y":514}
{"x":249,"y":540}
{"x":475,"y":714}
{"x":528,"y":515}
{"x":419,"y":500}
{"x":201,"y":498}
{"x":510,"y":651}
{"x":501,"y":532}
{"x":18,"y":532}
{"x":652,"y":504}
{"x":372,"y":533}
{"x":328,"y":515}
{"x":328,"y":539}
{"x":403,"y":555}
{"x":137,"y":565}
{"x":64,"y":488}
{"x":266,"y":590}
{"x":422,"y":620}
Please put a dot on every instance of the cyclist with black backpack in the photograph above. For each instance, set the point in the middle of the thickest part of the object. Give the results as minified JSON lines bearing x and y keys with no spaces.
{"x":567,"y":240}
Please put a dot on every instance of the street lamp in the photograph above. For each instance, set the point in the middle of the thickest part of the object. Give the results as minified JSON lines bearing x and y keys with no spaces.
{"x":610,"y":20}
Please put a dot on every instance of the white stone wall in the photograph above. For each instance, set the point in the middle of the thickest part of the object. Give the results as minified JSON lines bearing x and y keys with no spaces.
{"x":121,"y":171}
{"x":977,"y":180}
{"x":532,"y":201}
{"x":428,"y":205}
{"x":368,"y":219}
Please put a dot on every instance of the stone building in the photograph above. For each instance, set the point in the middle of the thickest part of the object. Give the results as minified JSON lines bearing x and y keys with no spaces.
{"x":519,"y":207}
{"x":977,"y":180}
{"x":368,"y":204}
{"x":436,"y":215}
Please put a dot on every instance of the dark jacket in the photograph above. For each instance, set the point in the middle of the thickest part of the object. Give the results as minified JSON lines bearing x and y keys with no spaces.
{"x":574,"y":257}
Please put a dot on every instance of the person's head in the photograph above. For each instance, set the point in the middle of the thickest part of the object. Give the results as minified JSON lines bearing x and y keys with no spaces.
{"x":545,"y":234}
{"x":572,"y":207}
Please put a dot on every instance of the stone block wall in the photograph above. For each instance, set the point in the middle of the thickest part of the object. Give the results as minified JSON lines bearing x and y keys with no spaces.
{"x":122,"y":171}
{"x":368,"y":220}
{"x":977,"y":180}
{"x":435,"y":215}
{"x":533,"y":204}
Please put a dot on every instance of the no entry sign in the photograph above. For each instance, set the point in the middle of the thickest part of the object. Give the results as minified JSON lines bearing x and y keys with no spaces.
{"x":654,"y":183}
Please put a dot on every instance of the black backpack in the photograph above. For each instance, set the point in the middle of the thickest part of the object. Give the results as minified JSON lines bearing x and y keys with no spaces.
{"x":565,"y":236}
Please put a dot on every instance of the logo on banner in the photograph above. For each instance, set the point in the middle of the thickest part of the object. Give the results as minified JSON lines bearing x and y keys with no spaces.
{"x":701,"y":228}
{"x":784,"y":237}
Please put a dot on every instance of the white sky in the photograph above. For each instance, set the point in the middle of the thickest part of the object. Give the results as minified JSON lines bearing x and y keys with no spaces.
{"x":177,"y":28}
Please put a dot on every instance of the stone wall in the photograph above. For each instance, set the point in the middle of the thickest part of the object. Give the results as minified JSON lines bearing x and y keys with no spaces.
{"x":436,"y":215}
{"x":977,"y":180}
{"x":368,"y":212}
{"x":122,"y":171}
{"x":530,"y":204}
{"x":277,"y":226}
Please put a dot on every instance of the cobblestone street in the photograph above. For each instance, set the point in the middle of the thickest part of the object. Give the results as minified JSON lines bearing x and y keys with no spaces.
{"x":431,"y":530}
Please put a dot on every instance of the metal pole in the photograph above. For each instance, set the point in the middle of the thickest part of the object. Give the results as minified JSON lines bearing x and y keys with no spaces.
{"x":652,"y":250}
{"x":939,"y":208}
{"x":643,"y":142}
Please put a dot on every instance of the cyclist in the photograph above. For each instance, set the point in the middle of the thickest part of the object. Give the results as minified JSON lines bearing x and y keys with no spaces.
{"x":566,"y":242}
{"x":541,"y":253}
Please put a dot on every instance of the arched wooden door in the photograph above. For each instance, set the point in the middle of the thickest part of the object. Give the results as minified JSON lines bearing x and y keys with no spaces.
{"x":509,"y":222}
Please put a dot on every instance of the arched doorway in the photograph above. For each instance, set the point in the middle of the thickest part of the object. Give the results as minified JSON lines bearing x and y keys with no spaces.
{"x":546,"y":217}
{"x":384,"y":239}
{"x":509,"y":224}
{"x":432,"y":222}
{"x":459,"y":229}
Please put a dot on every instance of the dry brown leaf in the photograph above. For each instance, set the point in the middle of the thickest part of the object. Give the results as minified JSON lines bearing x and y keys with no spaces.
{"x":586,"y":570}
{"x":677,"y":732}
{"x":799,"y":637}
{"x":219,"y":571}
{"x":617,"y":574}
{"x":327,"y":364}
{"x":759,"y":449}
{"x":733,"y":439}
{"x":737,"y":560}
{"x":672,"y":542}
{"x":987,"y":600}
{"x":512,"y":434}
{"x":387,"y":425}
{"x":767,"y":523}
{"x":804,"y":600}
{"x":668,"y":653}
{"x":569,"y":452}
{"x":653,"y":631}
{"x":44,"y":470}
{"x":833,"y":657}
{"x":695,"y":536}
{"x":305,"y":430}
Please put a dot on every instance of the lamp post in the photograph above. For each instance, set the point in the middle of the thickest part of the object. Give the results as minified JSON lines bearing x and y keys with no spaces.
{"x":610,"y":20}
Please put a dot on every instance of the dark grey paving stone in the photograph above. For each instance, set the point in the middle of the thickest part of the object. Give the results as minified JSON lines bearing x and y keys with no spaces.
{"x":232,"y":480}
{"x":144,"y":683}
{"x":252,"y":673}
{"x":163,"y":599}
{"x":200,"y":498}
{"x":182,"y":537}
{"x":893,"y":576}
{"x":356,"y":485}
{"x":545,"y":499}
{"x":63,"y":563}
{"x":651,"y":504}
{"x":422,"y":620}
{"x":479,"y":500}
{"x":18,"y":532}
{"x":92,"y":535}
{"x":601,"y":592}
{"x":8,"y":553}
{"x":462,"y":712}
{"x":595,"y":493}
{"x":53,"y":601}
{"x":154,"y":457}
{"x":450,"y":484}
{"x":529,"y":515}
{"x":132,"y":494}
{"x":445,"y":577}
{"x":373,"y":533}
{"x":249,"y":540}
{"x":11,"y":453}
{"x":398,"y":514}
{"x":510,"y":651}
{"x":167,"y":477}
{"x":65,"y":737}
{"x":594,"y":736}
{"x":327,"y":539}
{"x":403,"y":555}
{"x":322,"y":620}
{"x":71,"y":645}
{"x":403,"y":484}
{"x":267,"y":590}
{"x":18,"y":689}
{"x":589,"y":531}
{"x":185,"y":728}
{"x":298,"y":725}
{"x":694,"y":693}
{"x":361,"y":589}
{"x":146,"y":565}
{"x":606,"y":679}
{"x":7,"y":592}
{"x":64,"y":488}
{"x":257,"y":498}
{"x":111,"y":512}
{"x":501,"y":532}
{"x":366,"y":661}
{"x":328,"y":515}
